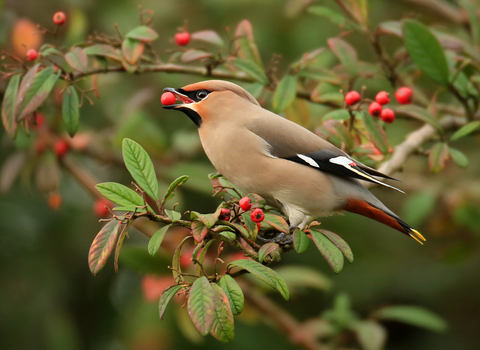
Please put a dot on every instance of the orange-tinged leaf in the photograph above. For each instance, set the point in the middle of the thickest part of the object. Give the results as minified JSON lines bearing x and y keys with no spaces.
{"x":345,"y":53}
{"x":132,"y":50}
{"x":266,"y":249}
{"x":201,"y":306}
{"x":36,"y":92}
{"x":103,"y":50}
{"x":277,"y":222}
{"x":77,"y":59}
{"x":438,"y":156}
{"x":102,"y":246}
{"x":208,"y":36}
{"x":8,"y":106}
{"x":199,"y":230}
{"x":142,"y":33}
{"x":245,"y":43}
{"x":194,"y":55}
{"x":222,"y":327}
{"x":25,"y":36}
{"x":123,"y":233}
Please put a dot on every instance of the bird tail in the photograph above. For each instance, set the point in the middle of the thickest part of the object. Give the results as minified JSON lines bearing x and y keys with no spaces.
{"x":386,"y":217}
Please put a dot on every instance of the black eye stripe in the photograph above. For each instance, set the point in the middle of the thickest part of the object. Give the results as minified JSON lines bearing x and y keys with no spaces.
{"x":194,"y":95}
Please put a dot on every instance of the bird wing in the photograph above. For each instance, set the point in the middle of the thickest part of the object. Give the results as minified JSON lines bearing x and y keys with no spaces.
{"x":288,"y":140}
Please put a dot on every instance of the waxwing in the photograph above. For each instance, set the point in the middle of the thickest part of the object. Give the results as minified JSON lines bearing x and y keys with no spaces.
{"x":291,"y":167}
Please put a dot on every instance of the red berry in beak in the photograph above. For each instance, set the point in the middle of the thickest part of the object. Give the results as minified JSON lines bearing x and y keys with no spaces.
{"x":168,"y":98}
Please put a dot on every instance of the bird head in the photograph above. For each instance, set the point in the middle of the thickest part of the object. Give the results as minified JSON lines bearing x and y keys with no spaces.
{"x":210,"y":99}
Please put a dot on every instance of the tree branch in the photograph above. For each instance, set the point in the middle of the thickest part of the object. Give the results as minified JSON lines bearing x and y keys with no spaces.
{"x":413,"y":142}
{"x":285,"y":322}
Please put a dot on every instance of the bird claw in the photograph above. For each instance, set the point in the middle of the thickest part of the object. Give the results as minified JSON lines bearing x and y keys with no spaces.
{"x":281,"y":239}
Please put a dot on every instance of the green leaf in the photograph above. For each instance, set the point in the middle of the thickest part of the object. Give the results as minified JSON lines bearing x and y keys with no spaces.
{"x":425,"y":51}
{"x":328,"y":13}
{"x":420,"y":114}
{"x":201,"y":305}
{"x":176,"y":268}
{"x":300,"y":241}
{"x":222,"y":328}
{"x":330,"y":252}
{"x":120,"y":194}
{"x":208,"y":36}
{"x":252,"y":69}
{"x":413,"y":315}
{"x":277,"y":222}
{"x":132,"y":50}
{"x":304,"y":277}
{"x":167,"y":295}
{"x":70,"y":110}
{"x":173,"y":186}
{"x":370,"y":334}
{"x":391,"y":27}
{"x":299,"y":112}
{"x":233,"y":292}
{"x":258,"y":270}
{"x":104,"y":51}
{"x":102,"y":246}
{"x":465,"y":130}
{"x":285,"y":93}
{"x":471,"y":11}
{"x":281,"y":285}
{"x":157,"y":239}
{"x":8,"y":106}
{"x":251,"y":226}
{"x":266,"y":249}
{"x":35,"y":92}
{"x":339,"y":243}
{"x":245,"y":43}
{"x":142,"y":33}
{"x":199,"y":259}
{"x":345,"y":53}
{"x":375,"y":132}
{"x":240,"y":228}
{"x":140,"y":167}
{"x":173,"y":215}
{"x":51,"y":51}
{"x":438,"y":156}
{"x":77,"y":59}
{"x":459,"y":158}
{"x":339,"y":114}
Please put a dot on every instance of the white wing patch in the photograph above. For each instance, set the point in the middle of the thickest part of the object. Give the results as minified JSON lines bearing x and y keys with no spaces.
{"x":308,"y":160}
{"x":350,"y":164}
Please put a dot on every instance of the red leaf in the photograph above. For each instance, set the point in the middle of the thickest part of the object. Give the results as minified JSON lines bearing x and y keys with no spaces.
{"x":102,"y":246}
{"x":132,"y":50}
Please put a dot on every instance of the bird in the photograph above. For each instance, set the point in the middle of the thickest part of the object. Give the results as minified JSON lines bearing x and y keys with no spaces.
{"x":292,"y":168}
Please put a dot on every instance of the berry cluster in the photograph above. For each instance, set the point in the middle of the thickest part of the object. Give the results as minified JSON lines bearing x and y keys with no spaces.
{"x":59,"y":19}
{"x":403,"y":96}
{"x":256,"y":215}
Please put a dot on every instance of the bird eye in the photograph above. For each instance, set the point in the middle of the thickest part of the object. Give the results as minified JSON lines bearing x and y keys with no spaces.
{"x":201,"y":95}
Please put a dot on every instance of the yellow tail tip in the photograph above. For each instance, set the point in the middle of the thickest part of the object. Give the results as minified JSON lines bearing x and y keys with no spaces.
{"x":417,"y":236}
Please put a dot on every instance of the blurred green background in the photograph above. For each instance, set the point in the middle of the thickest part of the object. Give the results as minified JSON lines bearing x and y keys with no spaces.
{"x":50,"y":300}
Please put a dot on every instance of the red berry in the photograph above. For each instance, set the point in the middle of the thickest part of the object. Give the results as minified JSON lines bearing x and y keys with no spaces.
{"x":39,"y":119}
{"x":245,"y":203}
{"x":168,"y":98}
{"x":404,"y":95}
{"x":375,"y":109}
{"x":388,"y":116}
{"x":352,"y":97}
{"x":61,"y":148}
{"x":55,"y":200}
{"x":100,"y":208}
{"x":224,"y":214}
{"x":257,"y":215}
{"x":59,"y":18}
{"x":32,"y":55}
{"x":383,"y":98}
{"x":182,"y":39}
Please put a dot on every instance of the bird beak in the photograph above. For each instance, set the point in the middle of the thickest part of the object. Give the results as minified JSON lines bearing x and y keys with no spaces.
{"x":180,"y":97}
